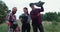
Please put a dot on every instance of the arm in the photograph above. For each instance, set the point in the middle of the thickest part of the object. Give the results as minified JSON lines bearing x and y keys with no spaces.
{"x":41,"y":9}
{"x":7,"y":19}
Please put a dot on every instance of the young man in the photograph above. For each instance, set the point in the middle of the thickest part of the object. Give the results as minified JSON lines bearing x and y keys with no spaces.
{"x":36,"y":18}
{"x":11,"y":20}
{"x":25,"y":19}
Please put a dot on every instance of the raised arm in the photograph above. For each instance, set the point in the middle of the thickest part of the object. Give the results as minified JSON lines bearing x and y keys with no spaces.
{"x":41,"y":9}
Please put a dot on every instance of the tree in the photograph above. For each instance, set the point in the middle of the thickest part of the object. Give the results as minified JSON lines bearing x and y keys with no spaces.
{"x":44,"y":17}
{"x":50,"y":16}
{"x":58,"y":17}
{"x":3,"y":11}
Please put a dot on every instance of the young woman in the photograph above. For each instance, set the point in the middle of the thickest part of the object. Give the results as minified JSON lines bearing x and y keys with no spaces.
{"x":25,"y":19}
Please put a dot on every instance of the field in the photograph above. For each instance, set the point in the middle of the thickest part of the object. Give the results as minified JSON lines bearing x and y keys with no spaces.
{"x":48,"y":27}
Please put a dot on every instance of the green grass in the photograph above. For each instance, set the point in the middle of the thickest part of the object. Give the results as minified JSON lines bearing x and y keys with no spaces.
{"x":52,"y":27}
{"x":48,"y":27}
{"x":3,"y":27}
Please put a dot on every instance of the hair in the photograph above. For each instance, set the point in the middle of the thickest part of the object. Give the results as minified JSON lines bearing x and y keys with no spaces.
{"x":31,"y":4}
{"x":25,"y":8}
{"x":14,"y":8}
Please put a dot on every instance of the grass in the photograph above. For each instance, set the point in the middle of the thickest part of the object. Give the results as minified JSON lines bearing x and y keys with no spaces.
{"x":3,"y":27}
{"x":48,"y":27}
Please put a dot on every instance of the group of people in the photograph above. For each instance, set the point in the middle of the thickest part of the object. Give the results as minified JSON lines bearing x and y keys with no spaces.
{"x":34,"y":15}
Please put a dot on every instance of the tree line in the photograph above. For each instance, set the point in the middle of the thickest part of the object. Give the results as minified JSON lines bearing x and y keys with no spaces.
{"x":51,"y":16}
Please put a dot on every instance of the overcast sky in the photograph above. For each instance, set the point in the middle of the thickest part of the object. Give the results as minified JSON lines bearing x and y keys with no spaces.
{"x":49,"y":6}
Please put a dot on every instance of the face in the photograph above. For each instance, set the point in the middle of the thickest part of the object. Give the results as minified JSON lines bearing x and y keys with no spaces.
{"x":32,"y":7}
{"x":25,"y":10}
{"x":14,"y":10}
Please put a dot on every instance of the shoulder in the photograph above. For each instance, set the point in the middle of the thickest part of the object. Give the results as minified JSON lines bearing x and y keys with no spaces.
{"x":22,"y":15}
{"x":15,"y":16}
{"x":9,"y":14}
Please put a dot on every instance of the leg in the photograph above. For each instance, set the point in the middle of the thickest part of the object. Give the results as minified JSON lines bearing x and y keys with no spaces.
{"x":23,"y":28}
{"x":15,"y":30}
{"x":28,"y":27}
{"x":10,"y":29}
{"x":35,"y":28}
{"x":40,"y":26}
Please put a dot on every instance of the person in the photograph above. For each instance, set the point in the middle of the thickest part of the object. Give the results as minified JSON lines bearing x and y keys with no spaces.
{"x":36,"y":18}
{"x":11,"y":20}
{"x":25,"y":19}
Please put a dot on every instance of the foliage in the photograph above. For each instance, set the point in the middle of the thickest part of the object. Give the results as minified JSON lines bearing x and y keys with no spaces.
{"x":51,"y":16}
{"x":3,"y":11}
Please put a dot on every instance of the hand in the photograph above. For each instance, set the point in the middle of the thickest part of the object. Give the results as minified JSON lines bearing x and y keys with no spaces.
{"x":8,"y":22}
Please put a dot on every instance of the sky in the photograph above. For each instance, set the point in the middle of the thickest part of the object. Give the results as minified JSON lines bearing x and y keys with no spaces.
{"x":49,"y":6}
